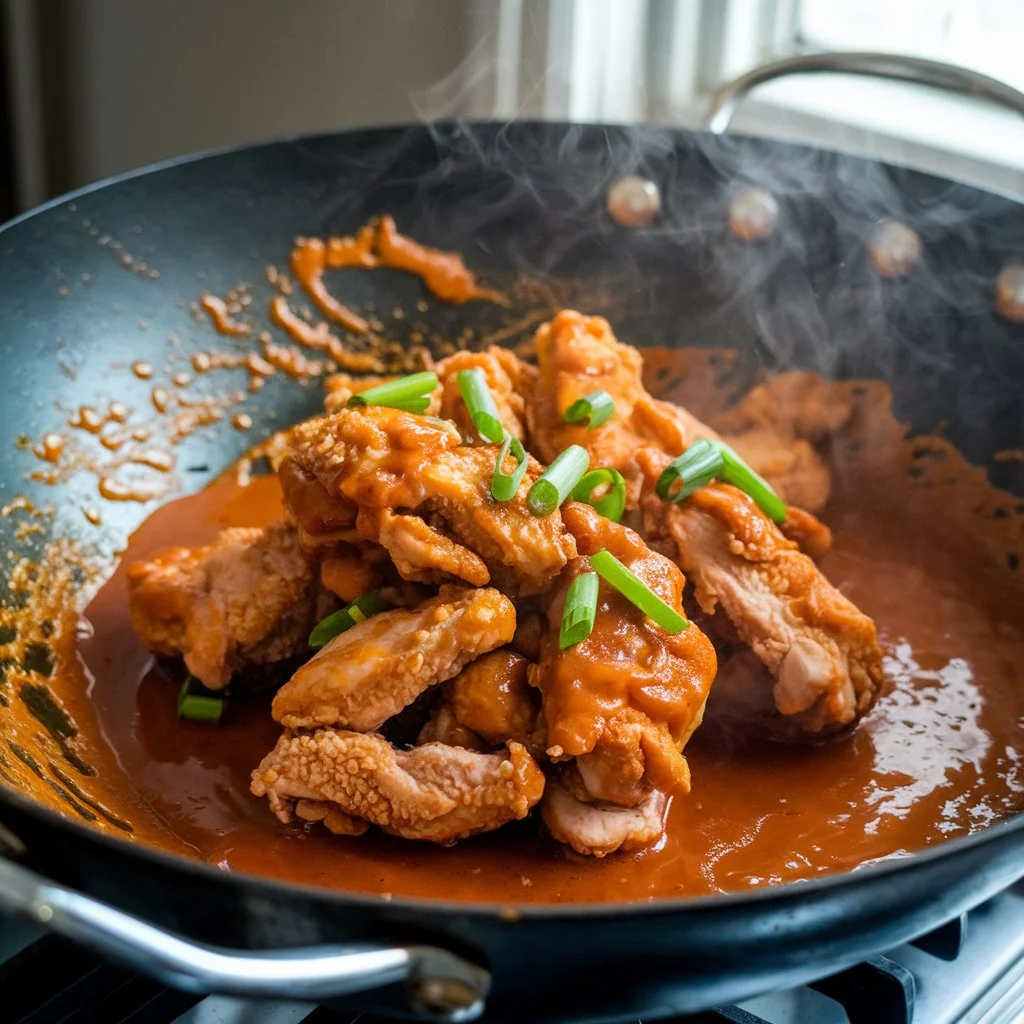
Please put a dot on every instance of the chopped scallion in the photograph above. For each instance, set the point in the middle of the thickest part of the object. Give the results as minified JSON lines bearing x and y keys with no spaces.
{"x":558,"y":481}
{"x":591,"y":410}
{"x":480,"y":403}
{"x":197,"y":704}
{"x":611,"y":504}
{"x":627,"y":583}
{"x":352,"y":614}
{"x":505,"y":486}
{"x":411,"y":393}
{"x":706,"y":460}
{"x":579,"y":610}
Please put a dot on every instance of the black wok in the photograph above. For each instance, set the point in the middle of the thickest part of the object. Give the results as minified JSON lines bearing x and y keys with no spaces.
{"x":531,"y":198}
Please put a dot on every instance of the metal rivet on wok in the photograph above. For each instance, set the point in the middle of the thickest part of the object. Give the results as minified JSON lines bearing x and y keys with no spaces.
{"x":753,"y":214}
{"x":894,"y":248}
{"x":442,"y":996}
{"x":1010,"y":292}
{"x":634,"y":202}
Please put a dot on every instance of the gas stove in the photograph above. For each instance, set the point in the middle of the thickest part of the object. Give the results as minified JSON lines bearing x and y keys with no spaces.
{"x":970,"y":971}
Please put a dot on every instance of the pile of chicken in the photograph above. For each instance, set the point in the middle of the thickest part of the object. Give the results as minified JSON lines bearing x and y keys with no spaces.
{"x":455,"y":711}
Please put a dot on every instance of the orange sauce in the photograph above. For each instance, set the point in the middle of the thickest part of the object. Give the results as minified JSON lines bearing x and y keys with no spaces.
{"x":941,"y":755}
{"x":221,"y":317}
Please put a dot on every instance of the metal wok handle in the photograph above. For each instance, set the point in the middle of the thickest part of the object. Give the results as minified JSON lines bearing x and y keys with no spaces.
{"x":440,"y":986}
{"x":876,"y":65}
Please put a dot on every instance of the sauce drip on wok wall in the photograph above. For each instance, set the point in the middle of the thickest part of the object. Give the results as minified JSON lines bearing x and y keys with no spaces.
{"x":940,"y":756}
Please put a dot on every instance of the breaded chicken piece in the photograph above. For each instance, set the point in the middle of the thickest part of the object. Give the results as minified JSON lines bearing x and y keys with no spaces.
{"x":578,"y":354}
{"x":624,"y":701}
{"x":488,"y":702}
{"x":250,"y":598}
{"x":821,"y":649}
{"x":503,"y":372}
{"x":433,"y":792}
{"x":370,"y":672}
{"x":411,"y":485}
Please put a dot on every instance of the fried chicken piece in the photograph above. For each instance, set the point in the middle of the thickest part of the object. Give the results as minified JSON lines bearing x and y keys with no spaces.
{"x":488,"y":702}
{"x":624,"y":700}
{"x":504,"y":373}
{"x":250,"y":598}
{"x":821,"y":650}
{"x":444,"y":727}
{"x":578,"y":354}
{"x":597,"y":829}
{"x":411,"y":485}
{"x":370,"y":672}
{"x":350,"y":571}
{"x":432,"y":792}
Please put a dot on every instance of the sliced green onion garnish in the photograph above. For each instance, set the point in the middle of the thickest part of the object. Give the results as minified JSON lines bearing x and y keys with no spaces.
{"x":579,"y":611}
{"x":706,"y":460}
{"x":557,"y":482}
{"x":591,"y":410}
{"x":610,"y":505}
{"x":480,"y":403}
{"x":197,"y":704}
{"x":413,"y":404}
{"x":505,"y":486}
{"x":612,"y":571}
{"x":399,"y":393}
{"x":352,"y":614}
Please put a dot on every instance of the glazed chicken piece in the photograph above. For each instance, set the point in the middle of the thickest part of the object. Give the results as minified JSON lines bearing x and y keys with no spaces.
{"x":822,"y":651}
{"x":250,"y":598}
{"x":433,"y":792}
{"x":596,"y":829}
{"x":622,"y":703}
{"x":489,"y":702}
{"x":578,"y":354}
{"x":411,"y":485}
{"x":505,"y":374}
{"x":373,"y":670}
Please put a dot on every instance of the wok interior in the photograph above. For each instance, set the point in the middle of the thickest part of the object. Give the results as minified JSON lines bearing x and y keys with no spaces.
{"x":774,"y":306}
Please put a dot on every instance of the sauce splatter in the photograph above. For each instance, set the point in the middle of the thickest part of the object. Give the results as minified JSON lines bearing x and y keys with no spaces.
{"x":142,"y":370}
{"x":50,"y":448}
{"x":221,"y":317}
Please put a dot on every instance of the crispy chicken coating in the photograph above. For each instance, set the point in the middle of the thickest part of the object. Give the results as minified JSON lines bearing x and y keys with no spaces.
{"x":624,"y":700}
{"x":821,"y":649}
{"x":504,"y":373}
{"x":578,"y":354}
{"x":250,"y":598}
{"x":432,"y":792}
{"x":370,"y":672}
{"x":489,"y":702}
{"x":411,"y":485}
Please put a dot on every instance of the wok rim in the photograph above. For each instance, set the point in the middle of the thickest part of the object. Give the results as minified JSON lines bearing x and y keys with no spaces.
{"x":509,"y":912}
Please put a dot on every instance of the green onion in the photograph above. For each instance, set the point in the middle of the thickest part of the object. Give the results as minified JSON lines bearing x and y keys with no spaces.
{"x":557,"y":482}
{"x":612,"y":504}
{"x":505,"y":486}
{"x":403,"y":393}
{"x":591,"y":410}
{"x":480,"y":403}
{"x":197,"y":704}
{"x":706,"y":460}
{"x":579,"y":611}
{"x":612,"y":571}
{"x":352,"y":614}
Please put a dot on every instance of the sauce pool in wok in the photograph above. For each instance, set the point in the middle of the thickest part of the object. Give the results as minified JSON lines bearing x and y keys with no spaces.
{"x":940,"y":755}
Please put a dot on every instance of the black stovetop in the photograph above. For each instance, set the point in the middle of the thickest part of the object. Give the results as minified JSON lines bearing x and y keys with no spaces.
{"x":971,"y":971}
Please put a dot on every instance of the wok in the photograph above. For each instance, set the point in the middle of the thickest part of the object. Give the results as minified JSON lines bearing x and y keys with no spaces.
{"x":518,"y":198}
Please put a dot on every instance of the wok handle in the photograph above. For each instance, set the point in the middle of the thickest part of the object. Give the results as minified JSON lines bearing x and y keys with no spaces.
{"x":875,"y":65}
{"x":439,"y":985}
